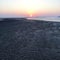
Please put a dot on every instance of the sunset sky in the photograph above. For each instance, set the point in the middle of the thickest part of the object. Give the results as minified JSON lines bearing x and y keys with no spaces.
{"x":29,"y":8}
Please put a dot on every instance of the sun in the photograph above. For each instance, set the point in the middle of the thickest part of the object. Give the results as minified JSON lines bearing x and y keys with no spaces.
{"x":31,"y":15}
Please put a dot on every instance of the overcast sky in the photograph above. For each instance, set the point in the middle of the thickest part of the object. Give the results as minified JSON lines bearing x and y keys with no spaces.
{"x":29,"y":7}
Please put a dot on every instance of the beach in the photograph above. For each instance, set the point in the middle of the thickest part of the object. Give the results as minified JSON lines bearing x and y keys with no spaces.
{"x":24,"y":39}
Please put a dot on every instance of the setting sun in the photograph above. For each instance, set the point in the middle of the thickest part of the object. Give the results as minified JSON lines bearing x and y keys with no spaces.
{"x":31,"y":15}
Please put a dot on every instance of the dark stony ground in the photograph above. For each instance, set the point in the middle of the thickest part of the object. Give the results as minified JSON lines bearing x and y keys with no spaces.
{"x":29,"y":40}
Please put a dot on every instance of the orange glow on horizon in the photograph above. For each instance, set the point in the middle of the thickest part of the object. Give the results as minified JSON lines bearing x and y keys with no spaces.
{"x":30,"y":8}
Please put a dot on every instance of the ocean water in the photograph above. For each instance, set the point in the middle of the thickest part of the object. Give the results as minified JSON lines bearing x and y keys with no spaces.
{"x":53,"y":19}
{"x":29,"y":40}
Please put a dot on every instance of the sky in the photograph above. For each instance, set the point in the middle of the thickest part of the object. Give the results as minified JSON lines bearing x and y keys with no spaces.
{"x":20,"y":8}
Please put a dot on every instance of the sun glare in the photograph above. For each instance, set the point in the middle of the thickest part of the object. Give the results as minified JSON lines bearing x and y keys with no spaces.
{"x":31,"y":6}
{"x":31,"y":15}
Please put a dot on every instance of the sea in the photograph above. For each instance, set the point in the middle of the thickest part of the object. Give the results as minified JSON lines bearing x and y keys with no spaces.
{"x":53,"y":18}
